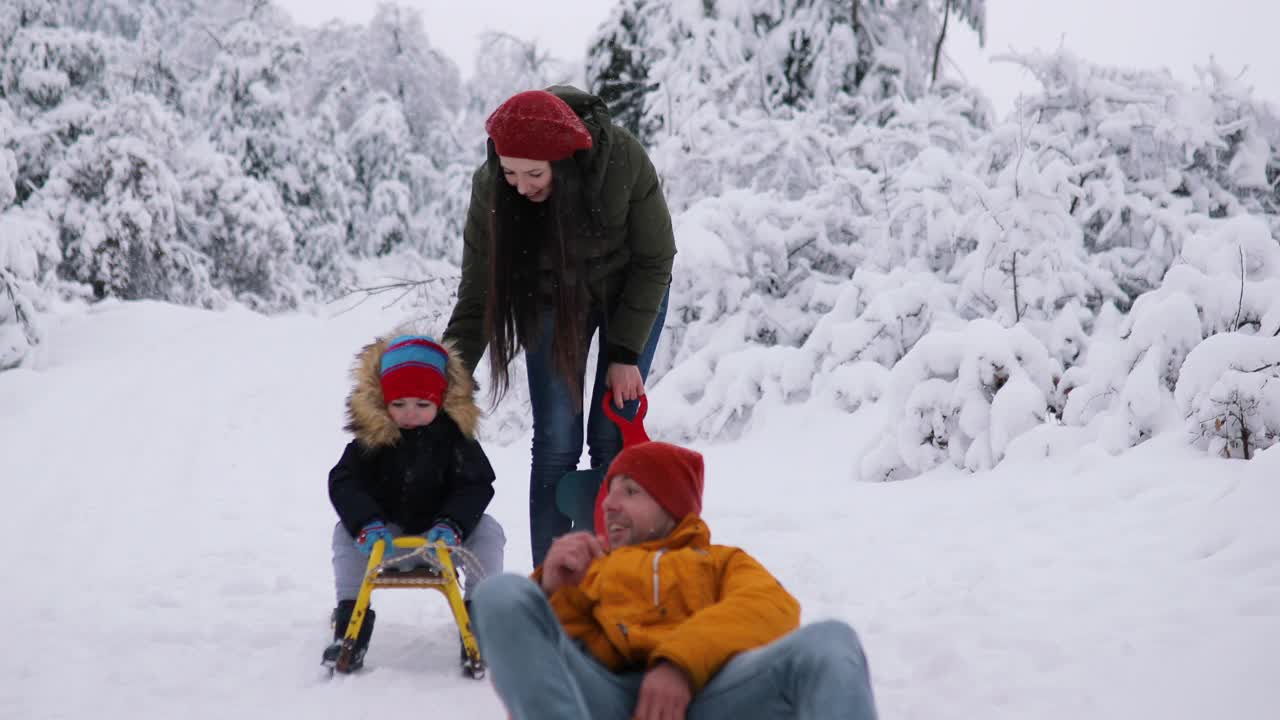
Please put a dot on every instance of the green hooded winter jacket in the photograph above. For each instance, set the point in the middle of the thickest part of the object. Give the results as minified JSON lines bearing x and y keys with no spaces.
{"x":627,"y":274}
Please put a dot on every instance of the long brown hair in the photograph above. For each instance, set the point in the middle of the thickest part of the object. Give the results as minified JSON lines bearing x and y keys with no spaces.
{"x":521,"y":232}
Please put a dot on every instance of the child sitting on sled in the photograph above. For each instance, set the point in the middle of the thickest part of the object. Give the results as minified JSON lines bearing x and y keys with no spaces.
{"x":414,"y":468}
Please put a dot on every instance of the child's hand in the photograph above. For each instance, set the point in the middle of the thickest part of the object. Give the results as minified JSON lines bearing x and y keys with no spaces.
{"x":445,"y":531}
{"x":371,"y":534}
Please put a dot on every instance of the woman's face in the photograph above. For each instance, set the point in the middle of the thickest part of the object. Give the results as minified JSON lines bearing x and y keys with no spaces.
{"x":530,"y":178}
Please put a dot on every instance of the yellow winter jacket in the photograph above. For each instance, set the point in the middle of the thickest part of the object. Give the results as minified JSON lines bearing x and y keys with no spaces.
{"x":679,"y":599}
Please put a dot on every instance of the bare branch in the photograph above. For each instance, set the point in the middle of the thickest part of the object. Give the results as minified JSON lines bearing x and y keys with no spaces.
{"x":216,"y":40}
{"x":1235,"y":324}
{"x":937,"y":48}
{"x":791,"y":253}
{"x":402,"y":286}
{"x":1017,"y":309}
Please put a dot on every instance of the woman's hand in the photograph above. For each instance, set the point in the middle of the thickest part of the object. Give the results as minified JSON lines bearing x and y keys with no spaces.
{"x":625,"y":383}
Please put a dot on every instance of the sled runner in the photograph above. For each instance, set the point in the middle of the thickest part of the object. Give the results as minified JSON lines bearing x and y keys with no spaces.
{"x":576,"y":493}
{"x":440,"y":574}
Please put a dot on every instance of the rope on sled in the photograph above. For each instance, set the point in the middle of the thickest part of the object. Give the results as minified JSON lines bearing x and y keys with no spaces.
{"x":463,"y":559}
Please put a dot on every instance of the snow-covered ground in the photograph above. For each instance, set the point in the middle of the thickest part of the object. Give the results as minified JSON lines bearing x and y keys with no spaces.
{"x":167,"y":533}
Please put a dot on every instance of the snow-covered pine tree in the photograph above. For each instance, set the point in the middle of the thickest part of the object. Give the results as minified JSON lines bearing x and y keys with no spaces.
{"x":655,"y":62}
{"x":618,"y":65}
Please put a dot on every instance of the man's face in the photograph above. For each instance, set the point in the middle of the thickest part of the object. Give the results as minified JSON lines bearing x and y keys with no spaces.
{"x":632,"y":516}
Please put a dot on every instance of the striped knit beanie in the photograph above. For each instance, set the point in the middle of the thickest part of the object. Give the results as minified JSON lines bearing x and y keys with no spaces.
{"x":414,"y":366}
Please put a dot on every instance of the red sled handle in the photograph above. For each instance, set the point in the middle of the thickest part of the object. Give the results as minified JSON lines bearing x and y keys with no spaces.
{"x":632,"y":430}
{"x":632,"y":434}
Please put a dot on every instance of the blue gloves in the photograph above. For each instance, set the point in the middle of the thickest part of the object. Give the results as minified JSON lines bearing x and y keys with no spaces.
{"x":376,"y":530}
{"x":372,"y":533}
{"x":443,"y":530}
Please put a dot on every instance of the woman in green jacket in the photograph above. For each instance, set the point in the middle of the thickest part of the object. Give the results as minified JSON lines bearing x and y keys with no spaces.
{"x":567,"y":234}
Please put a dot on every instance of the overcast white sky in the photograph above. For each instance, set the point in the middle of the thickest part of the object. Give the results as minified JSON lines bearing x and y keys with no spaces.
{"x":1176,"y":34}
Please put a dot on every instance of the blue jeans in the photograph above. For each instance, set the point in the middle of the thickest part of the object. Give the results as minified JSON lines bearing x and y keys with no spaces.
{"x":818,"y":671}
{"x":557,"y":426}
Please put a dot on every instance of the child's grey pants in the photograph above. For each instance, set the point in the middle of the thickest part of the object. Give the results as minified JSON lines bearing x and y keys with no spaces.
{"x":486,"y":542}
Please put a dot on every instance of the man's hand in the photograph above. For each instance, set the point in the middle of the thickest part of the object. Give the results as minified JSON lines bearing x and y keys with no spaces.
{"x":624,"y":382}
{"x":664,"y":694}
{"x":568,"y":559}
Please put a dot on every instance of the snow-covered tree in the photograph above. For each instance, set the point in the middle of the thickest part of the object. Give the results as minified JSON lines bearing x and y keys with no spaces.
{"x":1149,"y":155}
{"x":1027,"y":258}
{"x":618,"y":65}
{"x":42,"y":65}
{"x":241,"y":224}
{"x":425,"y":82}
{"x":245,"y":99}
{"x":961,"y":397}
{"x":164,"y":150}
{"x":27,"y":258}
{"x":506,"y":65}
{"x":1225,"y":282}
{"x":28,"y":254}
{"x":854,"y":226}
{"x":396,"y":105}
{"x":1229,"y":394}
{"x":659,"y":62}
{"x":8,"y":161}
{"x":116,"y":201}
{"x":253,"y":118}
{"x":353,"y":67}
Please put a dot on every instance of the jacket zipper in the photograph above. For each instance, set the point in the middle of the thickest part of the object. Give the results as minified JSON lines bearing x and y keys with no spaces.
{"x":656,"y":557}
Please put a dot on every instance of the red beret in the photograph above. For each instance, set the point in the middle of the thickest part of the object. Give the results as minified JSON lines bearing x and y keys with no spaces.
{"x":536,"y":125}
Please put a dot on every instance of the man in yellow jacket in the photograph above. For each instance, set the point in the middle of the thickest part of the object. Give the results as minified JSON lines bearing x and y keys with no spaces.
{"x":647,"y":619}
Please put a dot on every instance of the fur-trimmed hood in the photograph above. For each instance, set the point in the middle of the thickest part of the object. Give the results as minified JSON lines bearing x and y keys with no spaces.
{"x":367,"y":416}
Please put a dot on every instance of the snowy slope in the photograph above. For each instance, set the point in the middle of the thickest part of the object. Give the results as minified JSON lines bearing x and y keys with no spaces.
{"x":167,"y":525}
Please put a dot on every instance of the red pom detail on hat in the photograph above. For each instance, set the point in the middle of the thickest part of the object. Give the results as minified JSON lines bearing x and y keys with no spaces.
{"x":536,"y":125}
{"x":672,"y":475}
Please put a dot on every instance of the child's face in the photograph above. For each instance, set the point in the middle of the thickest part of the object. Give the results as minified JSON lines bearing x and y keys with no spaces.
{"x":410,"y":413}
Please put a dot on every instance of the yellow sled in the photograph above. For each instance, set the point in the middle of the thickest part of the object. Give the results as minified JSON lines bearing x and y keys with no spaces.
{"x":444,"y":579}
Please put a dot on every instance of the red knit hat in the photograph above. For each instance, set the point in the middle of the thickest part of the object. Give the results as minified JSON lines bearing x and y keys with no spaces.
{"x":414,"y":366}
{"x":536,"y":125}
{"x":669,"y":473}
